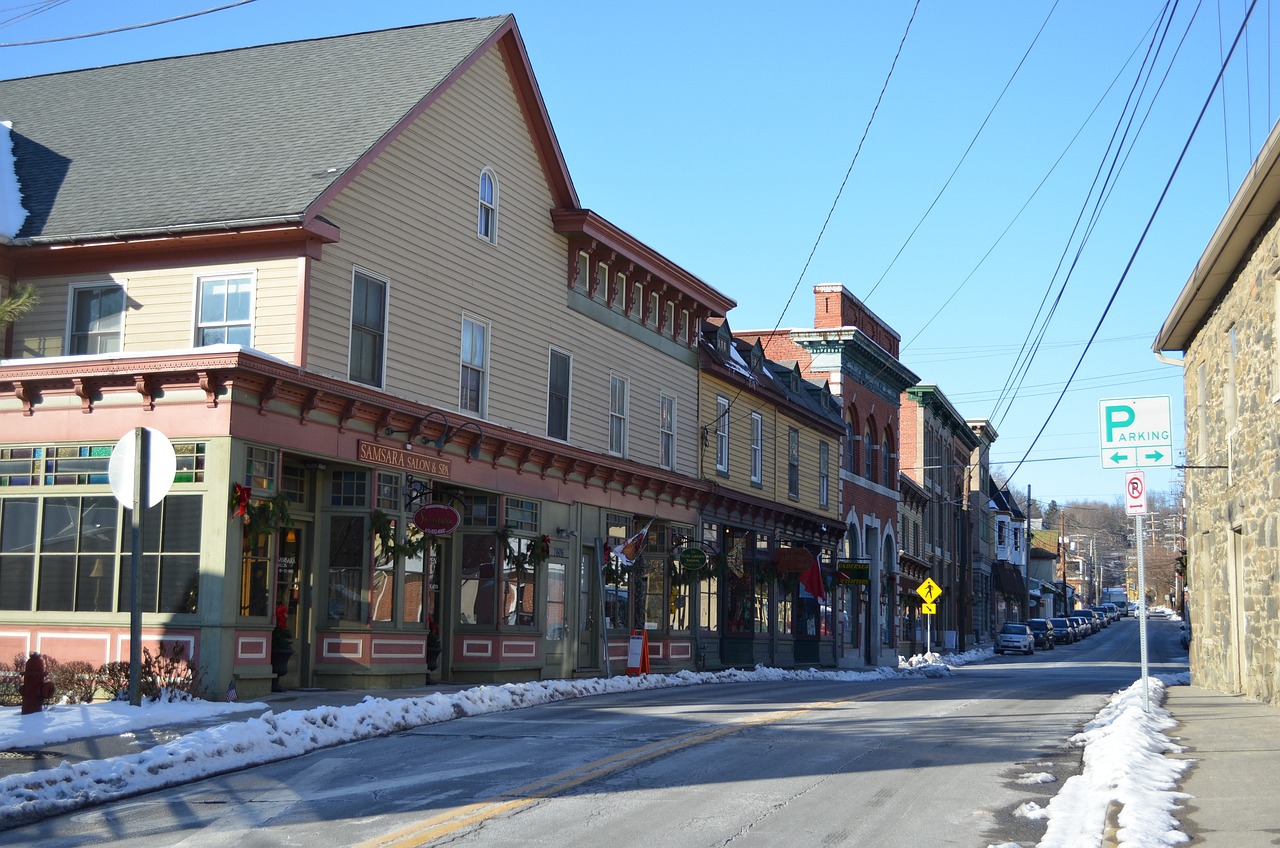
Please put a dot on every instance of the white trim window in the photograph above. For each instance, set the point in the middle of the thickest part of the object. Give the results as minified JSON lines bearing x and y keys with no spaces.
{"x":368,"y":328}
{"x":559,"y":381}
{"x":667,"y":431}
{"x":722,"y":435}
{"x":757,"y":449}
{"x":824,"y":476}
{"x":95,"y":319}
{"x":487,"y":214}
{"x":224,"y":309}
{"x":473,"y":380}
{"x":618,"y":387}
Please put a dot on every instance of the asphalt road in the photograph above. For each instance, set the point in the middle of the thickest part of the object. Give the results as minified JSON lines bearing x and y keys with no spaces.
{"x":941,"y":761}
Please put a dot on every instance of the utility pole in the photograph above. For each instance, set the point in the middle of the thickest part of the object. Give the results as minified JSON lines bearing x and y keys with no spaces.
{"x":1062,"y":555}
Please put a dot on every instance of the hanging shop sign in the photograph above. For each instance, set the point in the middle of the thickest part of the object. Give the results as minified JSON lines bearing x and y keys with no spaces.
{"x":691,"y":559}
{"x":436,"y":519}
{"x":854,"y":572}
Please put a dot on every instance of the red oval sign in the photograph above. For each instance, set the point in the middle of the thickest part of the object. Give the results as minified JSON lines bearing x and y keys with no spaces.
{"x":437,"y":519}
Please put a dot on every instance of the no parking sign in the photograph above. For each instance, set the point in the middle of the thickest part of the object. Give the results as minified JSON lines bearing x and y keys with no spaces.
{"x":1135,"y":493}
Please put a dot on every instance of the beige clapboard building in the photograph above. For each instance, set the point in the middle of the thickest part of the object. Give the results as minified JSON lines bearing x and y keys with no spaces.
{"x":416,"y":394}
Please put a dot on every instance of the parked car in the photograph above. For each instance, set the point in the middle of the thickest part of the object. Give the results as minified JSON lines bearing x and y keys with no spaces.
{"x":1042,"y":630}
{"x":1095,"y":620}
{"x":1082,"y":625}
{"x":1015,"y":636}
{"x":1112,"y":609}
{"x":1104,"y":617}
{"x":1064,"y":632}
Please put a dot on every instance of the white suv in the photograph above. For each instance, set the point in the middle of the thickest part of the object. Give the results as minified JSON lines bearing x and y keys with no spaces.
{"x":1015,"y":636}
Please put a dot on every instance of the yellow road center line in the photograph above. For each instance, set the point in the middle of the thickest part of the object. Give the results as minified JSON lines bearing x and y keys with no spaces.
{"x":453,"y":820}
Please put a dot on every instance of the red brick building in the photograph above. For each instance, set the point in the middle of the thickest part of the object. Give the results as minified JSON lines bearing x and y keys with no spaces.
{"x":857,"y":353}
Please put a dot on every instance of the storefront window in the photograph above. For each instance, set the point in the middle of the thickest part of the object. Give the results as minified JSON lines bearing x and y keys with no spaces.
{"x":347,"y":595}
{"x":382,"y":590}
{"x":255,"y":566}
{"x":17,"y":552}
{"x":417,"y":577}
{"x":617,"y":603}
{"x":519,"y":604}
{"x":556,"y":621}
{"x":740,"y":607}
{"x":477,"y":596}
{"x":169,"y":574}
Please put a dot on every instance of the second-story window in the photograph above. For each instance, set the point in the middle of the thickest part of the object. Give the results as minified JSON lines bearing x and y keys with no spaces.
{"x":793,"y":462}
{"x":722,"y":435}
{"x":886,"y":462}
{"x":368,"y":328}
{"x":618,"y":415}
{"x":667,"y":432}
{"x":473,"y":380}
{"x":824,"y":480}
{"x":558,"y":373}
{"x":97,"y":319}
{"x":224,"y":309}
{"x":487,"y":216}
{"x":757,"y":449}
{"x":868,"y":454}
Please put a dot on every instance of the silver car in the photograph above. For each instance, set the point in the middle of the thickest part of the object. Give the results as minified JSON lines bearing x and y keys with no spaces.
{"x":1015,"y":636}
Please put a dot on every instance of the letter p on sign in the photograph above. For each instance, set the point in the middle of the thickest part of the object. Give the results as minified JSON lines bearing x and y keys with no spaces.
{"x":1118,"y":418}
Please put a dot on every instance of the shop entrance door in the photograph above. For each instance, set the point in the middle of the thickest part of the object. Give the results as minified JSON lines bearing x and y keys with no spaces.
{"x":293,"y":582}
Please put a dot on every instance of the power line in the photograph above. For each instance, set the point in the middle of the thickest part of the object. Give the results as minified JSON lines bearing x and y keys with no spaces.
{"x":123,"y":28}
{"x":1146,"y":229}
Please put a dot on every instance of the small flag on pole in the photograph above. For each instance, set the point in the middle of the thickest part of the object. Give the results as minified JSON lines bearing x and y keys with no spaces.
{"x":811,"y":579}
{"x":629,"y":551}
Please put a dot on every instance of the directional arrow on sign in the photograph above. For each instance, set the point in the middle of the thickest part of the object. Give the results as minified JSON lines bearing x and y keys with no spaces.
{"x":1154,"y":457}
{"x":1118,"y":458}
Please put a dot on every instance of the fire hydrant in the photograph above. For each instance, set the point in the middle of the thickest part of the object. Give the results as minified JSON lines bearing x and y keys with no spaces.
{"x":35,"y":689}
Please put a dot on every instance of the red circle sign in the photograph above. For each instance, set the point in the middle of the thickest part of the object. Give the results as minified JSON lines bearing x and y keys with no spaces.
{"x":437,"y":519}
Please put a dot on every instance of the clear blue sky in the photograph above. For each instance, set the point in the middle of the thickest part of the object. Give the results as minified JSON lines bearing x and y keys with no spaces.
{"x":720,"y":133}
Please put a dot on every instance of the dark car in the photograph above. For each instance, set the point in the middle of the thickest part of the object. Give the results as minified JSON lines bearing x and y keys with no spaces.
{"x":1064,"y":632}
{"x":1104,"y":617}
{"x":1042,"y":630}
{"x":1083,"y":627}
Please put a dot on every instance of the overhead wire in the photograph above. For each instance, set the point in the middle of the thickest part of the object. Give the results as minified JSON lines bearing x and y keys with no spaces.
{"x":831,"y":211}
{"x":125,"y":28}
{"x":972,"y":141}
{"x":1147,"y":228}
{"x":1107,"y":164}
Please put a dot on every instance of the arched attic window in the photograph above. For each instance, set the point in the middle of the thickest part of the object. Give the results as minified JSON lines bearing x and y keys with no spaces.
{"x":487,"y":216}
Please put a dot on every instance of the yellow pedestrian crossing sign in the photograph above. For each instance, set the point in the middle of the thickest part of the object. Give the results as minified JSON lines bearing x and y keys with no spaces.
{"x":929,"y":590}
{"x":929,"y":609}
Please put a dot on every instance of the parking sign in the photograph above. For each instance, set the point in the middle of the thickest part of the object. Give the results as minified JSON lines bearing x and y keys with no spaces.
{"x":1135,"y":493}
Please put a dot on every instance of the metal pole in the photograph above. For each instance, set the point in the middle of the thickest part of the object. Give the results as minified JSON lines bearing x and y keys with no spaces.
{"x":604,"y":622}
{"x":141,"y":450}
{"x":1142,"y":619}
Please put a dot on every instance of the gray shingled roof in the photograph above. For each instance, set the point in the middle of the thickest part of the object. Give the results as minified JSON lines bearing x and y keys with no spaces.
{"x":232,"y":136}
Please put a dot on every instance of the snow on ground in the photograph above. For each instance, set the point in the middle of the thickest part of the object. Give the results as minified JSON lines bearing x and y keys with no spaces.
{"x":1123,"y":758}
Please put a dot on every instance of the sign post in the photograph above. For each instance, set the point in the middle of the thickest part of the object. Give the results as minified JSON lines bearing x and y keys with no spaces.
{"x":928,"y":592}
{"x":141,"y":472}
{"x":1136,"y":433}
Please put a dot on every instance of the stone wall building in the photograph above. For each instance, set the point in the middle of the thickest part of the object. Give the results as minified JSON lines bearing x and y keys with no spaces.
{"x":1226,"y":323}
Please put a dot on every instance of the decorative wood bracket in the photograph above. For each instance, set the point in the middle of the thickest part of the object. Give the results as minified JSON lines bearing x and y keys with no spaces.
{"x":209,"y":385}
{"x":269,"y":393}
{"x":308,"y":405}
{"x":28,"y":395}
{"x":348,"y":412}
{"x":84,"y":391}
{"x":143,"y":388}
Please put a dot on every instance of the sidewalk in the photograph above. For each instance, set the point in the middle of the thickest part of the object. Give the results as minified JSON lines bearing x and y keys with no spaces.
{"x":1235,"y":779}
{"x":27,"y":760}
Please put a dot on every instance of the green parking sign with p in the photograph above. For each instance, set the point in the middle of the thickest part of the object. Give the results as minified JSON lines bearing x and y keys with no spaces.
{"x":1135,"y":432}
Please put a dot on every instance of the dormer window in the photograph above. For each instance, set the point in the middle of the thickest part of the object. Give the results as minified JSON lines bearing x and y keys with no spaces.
{"x":487,"y":217}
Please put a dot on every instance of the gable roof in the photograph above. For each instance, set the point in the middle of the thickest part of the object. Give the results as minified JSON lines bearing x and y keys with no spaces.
{"x":242,"y":137}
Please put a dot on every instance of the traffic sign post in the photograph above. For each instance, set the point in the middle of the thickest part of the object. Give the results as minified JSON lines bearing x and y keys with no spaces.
{"x":1135,"y":432}
{"x":928,"y":592}
{"x":140,"y":471}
